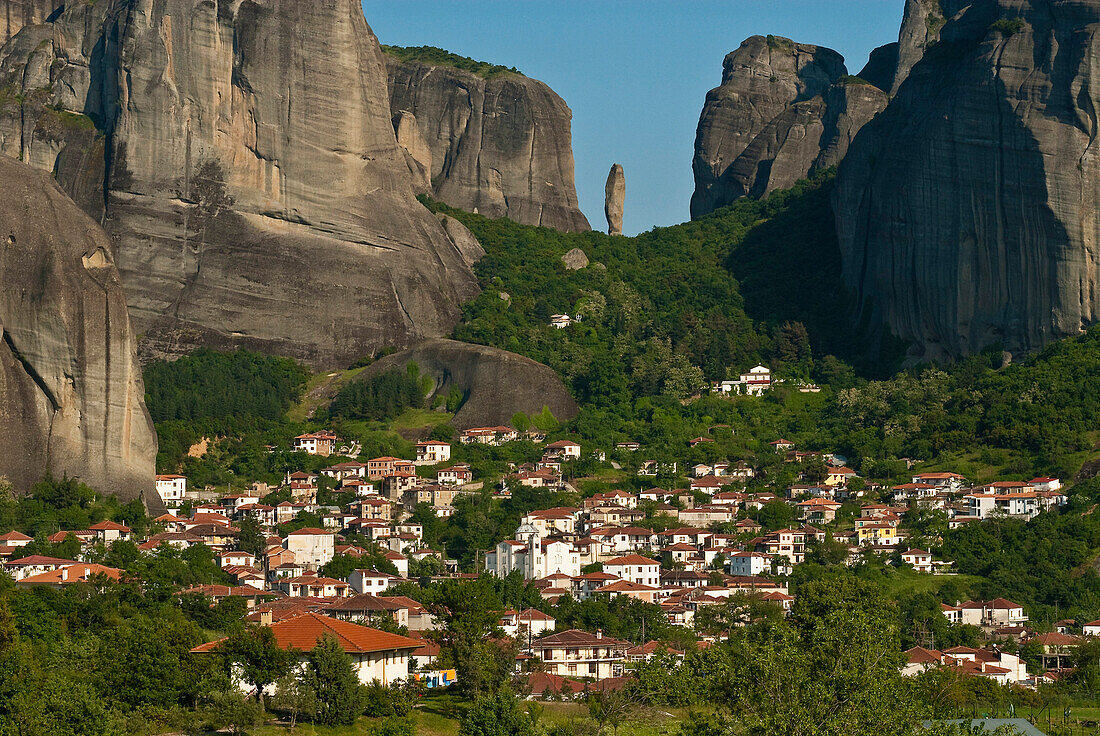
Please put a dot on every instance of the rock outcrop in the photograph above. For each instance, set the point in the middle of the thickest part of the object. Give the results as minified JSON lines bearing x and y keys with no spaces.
{"x":784,"y":110}
{"x":614,"y":197}
{"x":966,"y":211}
{"x":71,"y":396}
{"x":575,"y":259}
{"x":255,"y":189}
{"x":14,"y":14}
{"x":496,"y":384}
{"x":418,"y":153}
{"x":500,"y":146}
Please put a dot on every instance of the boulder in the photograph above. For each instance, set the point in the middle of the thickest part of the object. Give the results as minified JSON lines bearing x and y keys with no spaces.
{"x":966,"y":211}
{"x":500,"y":146}
{"x":255,"y":189}
{"x":784,"y":111}
{"x":575,"y":259}
{"x":614,"y":196}
{"x":496,"y":384}
{"x":71,"y":397}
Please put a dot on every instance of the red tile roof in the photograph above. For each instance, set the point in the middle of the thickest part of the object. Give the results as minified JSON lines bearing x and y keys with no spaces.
{"x":303,"y":632}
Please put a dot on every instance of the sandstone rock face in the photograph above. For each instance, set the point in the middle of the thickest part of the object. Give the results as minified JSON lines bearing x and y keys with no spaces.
{"x":500,"y":146}
{"x":417,"y":152}
{"x":966,"y":212}
{"x":921,"y":24}
{"x":14,"y":14}
{"x":255,"y":188}
{"x":614,"y":197}
{"x":783,"y":111}
{"x":496,"y":383}
{"x":71,"y":397}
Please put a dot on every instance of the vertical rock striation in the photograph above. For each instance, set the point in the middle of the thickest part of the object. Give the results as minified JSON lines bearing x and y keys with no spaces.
{"x":614,"y":196}
{"x":500,"y":146}
{"x":255,"y":188}
{"x":966,"y":212}
{"x":71,"y":396}
{"x":14,"y":14}
{"x":783,"y":111}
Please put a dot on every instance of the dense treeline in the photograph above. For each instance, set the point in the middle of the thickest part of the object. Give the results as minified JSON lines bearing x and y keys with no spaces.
{"x":382,"y":396}
{"x":212,"y":385}
{"x":441,"y":57}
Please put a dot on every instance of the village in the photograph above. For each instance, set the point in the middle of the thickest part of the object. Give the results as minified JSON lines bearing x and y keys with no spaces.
{"x":682,"y":549}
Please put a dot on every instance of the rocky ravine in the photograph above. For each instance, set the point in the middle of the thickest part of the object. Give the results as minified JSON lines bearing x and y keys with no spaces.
{"x":783,"y":111}
{"x":500,"y":146}
{"x":255,"y":190}
{"x":71,"y":396}
{"x":966,"y":212}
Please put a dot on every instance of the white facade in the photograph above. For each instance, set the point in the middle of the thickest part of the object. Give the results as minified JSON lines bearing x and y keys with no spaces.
{"x":172,"y":489}
{"x":430,"y":453}
{"x":313,"y":547}
{"x":533,"y":557}
{"x":748,"y":564}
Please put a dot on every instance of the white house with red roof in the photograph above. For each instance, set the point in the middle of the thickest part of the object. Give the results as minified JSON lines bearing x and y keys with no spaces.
{"x":564,"y":449}
{"x":919,"y":559}
{"x":311,"y":546}
{"x":946,"y":481}
{"x":321,"y":443}
{"x":458,"y":474}
{"x":110,"y":531}
{"x":1045,"y":484}
{"x":172,"y":490}
{"x":431,"y":452}
{"x":635,"y":569}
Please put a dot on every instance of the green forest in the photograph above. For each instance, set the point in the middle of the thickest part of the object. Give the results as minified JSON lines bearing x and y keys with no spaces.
{"x":441,"y":57}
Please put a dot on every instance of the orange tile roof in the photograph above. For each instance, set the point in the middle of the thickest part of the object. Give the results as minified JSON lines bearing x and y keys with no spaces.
{"x":303,"y":632}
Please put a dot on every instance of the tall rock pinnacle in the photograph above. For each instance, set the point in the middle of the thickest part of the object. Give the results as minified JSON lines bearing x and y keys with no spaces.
{"x":614,"y":195}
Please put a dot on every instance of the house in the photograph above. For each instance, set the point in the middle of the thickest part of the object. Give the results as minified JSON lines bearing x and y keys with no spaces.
{"x":26,"y":567}
{"x":380,"y":468}
{"x":781,"y":445}
{"x":372,"y":581}
{"x":561,"y":321}
{"x":430,"y":453}
{"x":368,"y":608}
{"x":315,"y":443}
{"x":1092,"y":628}
{"x":311,"y":546}
{"x":1045,"y":484}
{"x":375,"y":655}
{"x":635,"y":569}
{"x":748,"y":564}
{"x":110,"y":531}
{"x":346,"y":471}
{"x":488,"y":435}
{"x":839,"y":476}
{"x":62,"y":577}
{"x":172,"y":490}
{"x":527,"y":623}
{"x":920,"y":560}
{"x":532,"y":556}
{"x":578,"y":653}
{"x":457,"y":475}
{"x":637,"y":591}
{"x":944,"y":481}
{"x":628,"y":446}
{"x":310,"y":586}
{"x":818,"y":510}
{"x":564,"y":449}
{"x":1058,"y":650}
{"x":754,"y":383}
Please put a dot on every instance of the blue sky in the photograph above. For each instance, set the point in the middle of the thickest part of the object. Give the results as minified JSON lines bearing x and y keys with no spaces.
{"x":634,"y":72}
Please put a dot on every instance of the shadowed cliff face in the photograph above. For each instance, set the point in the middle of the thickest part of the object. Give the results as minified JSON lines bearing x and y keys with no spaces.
{"x":255,"y":190}
{"x":71,"y":397}
{"x":500,"y":146}
{"x":784,"y":110}
{"x":966,"y":212}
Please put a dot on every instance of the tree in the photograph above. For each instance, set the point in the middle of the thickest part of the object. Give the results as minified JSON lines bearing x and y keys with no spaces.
{"x":295,"y":696}
{"x":776,"y":514}
{"x":469,"y":612}
{"x":258,"y":656}
{"x":610,"y":709}
{"x":251,"y":538}
{"x":496,"y":715}
{"x":832,"y":669}
{"x":331,"y":675}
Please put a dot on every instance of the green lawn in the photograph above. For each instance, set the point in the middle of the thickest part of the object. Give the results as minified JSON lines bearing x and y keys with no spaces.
{"x":420,"y":418}
{"x":319,"y":391}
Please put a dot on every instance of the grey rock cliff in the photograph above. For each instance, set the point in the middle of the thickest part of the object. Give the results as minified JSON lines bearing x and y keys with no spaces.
{"x":255,"y":189}
{"x":967,"y":211}
{"x":496,"y":384}
{"x":614,"y":197}
{"x":14,"y":14}
{"x":783,"y":111}
{"x":922,"y":21}
{"x":500,"y":146}
{"x":71,"y":397}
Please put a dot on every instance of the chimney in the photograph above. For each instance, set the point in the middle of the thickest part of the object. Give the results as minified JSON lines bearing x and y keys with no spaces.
{"x":265,"y":618}
{"x":599,"y":633}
